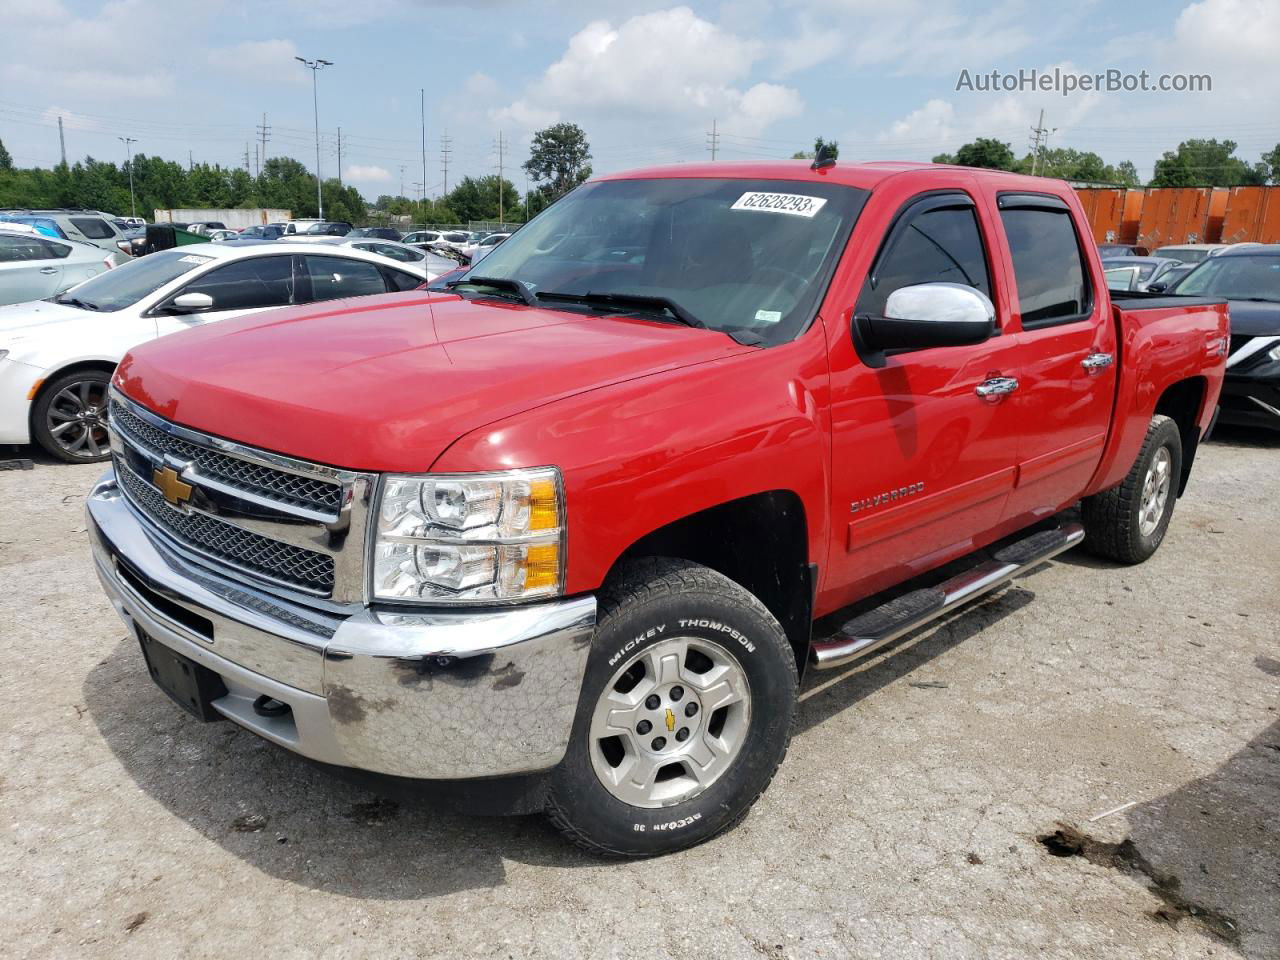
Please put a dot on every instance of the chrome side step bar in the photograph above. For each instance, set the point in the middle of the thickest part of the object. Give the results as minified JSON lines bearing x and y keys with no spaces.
{"x":873,"y":629}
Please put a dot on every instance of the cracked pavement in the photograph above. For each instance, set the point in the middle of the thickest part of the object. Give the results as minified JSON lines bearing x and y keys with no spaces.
{"x":904,"y":822}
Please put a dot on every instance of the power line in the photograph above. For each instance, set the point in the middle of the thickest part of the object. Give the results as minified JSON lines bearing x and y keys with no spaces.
{"x":1039,"y":140}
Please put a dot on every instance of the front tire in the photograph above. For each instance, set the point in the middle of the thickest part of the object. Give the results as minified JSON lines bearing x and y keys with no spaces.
{"x":69,"y":417}
{"x":1128,"y":522}
{"x":685,"y":713}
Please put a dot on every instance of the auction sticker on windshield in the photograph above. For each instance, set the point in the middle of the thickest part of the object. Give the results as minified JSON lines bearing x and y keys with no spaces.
{"x":192,"y":258}
{"x":793,"y":203}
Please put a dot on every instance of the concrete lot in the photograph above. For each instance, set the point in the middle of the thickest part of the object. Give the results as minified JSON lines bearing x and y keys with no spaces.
{"x":904,"y":823}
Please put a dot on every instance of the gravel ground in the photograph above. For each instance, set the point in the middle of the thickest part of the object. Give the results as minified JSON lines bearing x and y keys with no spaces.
{"x":906,"y":821}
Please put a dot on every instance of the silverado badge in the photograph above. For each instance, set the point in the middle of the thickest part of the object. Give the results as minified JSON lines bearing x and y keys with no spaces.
{"x":171,"y":485}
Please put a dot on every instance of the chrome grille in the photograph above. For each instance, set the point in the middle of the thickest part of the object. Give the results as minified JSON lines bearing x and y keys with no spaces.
{"x":268,"y":558}
{"x":253,"y":478}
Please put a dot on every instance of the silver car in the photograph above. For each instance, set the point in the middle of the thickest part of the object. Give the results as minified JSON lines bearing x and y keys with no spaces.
{"x":86,"y":226}
{"x":35,"y":267}
{"x":400,"y":252}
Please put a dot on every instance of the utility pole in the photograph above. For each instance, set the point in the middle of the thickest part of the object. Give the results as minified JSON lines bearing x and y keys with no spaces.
{"x":315,"y":66}
{"x":339,"y":156}
{"x":62,"y":140}
{"x":190,"y":163}
{"x":264,"y":134}
{"x":500,"y":159}
{"x":526,"y":196}
{"x":713,"y":141}
{"x":1039,"y":140}
{"x":446,"y":148}
{"x":247,"y":169}
{"x":133,"y":206}
{"x":422,"y":106}
{"x":401,"y":180}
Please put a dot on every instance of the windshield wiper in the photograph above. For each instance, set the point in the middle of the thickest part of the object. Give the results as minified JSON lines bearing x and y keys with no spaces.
{"x":623,"y":300}
{"x":76,"y":302}
{"x":522,"y":292}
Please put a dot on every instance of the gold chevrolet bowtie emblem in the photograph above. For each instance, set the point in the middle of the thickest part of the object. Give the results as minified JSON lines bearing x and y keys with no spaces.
{"x":170,"y":484}
{"x":671,"y":720}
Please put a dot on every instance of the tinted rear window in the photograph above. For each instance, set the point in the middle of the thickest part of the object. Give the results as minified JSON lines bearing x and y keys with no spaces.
{"x":92,"y":227}
{"x":1046,"y":264}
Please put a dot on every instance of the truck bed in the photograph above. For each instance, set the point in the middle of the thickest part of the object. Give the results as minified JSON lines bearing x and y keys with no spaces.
{"x":1163,"y":340}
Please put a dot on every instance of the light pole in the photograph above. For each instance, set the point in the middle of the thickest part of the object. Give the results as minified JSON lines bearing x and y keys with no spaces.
{"x":128,"y":154}
{"x":315,"y":66}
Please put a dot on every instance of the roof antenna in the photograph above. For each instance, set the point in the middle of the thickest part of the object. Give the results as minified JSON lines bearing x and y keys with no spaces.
{"x":825,"y":157}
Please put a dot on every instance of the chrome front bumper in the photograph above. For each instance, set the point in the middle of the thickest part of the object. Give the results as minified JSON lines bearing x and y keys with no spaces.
{"x":431,"y":695}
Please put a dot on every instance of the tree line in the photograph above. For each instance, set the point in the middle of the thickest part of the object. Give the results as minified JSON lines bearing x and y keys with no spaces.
{"x":1195,"y":163}
{"x":559,"y":160}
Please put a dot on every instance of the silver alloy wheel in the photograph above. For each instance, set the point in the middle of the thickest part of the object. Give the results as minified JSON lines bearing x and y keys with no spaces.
{"x":670,"y":722}
{"x":1155,"y":492}
{"x":77,"y":418}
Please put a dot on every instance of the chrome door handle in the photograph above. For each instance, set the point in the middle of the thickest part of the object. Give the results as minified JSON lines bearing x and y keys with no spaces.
{"x":996,"y":387}
{"x":48,"y":269}
{"x":1097,"y":361}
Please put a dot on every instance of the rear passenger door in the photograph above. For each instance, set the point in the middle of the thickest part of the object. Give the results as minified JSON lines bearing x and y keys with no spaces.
{"x":1066,"y":351}
{"x":28,"y":268}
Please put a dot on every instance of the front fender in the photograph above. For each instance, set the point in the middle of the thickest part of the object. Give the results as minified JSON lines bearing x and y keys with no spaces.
{"x":641,"y":454}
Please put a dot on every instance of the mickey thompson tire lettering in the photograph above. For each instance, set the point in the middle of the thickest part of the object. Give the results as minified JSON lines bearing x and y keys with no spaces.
{"x":648,"y":602}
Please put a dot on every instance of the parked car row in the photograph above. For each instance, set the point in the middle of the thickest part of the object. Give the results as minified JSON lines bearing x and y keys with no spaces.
{"x":58,"y":352}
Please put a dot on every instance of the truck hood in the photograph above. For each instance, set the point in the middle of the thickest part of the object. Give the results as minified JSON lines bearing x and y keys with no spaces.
{"x":387,"y":383}
{"x":1251,"y":318}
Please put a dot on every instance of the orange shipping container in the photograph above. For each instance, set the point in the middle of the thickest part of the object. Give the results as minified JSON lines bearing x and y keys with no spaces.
{"x":1181,"y":215}
{"x":1133,"y":200}
{"x":1104,"y":209}
{"x":1253,"y":213}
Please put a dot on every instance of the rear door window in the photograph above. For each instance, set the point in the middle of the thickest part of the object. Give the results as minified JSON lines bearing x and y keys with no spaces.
{"x":93,"y":227}
{"x":247,"y":284}
{"x":335,"y":277}
{"x":1047,"y":265}
{"x":13,"y":249}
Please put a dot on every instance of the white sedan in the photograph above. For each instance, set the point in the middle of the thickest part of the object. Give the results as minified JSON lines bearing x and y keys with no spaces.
{"x":57,"y":355}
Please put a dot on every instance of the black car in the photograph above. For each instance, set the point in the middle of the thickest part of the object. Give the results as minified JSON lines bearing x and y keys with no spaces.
{"x":1249,"y":279}
{"x":329,"y":228}
{"x":377,"y":233}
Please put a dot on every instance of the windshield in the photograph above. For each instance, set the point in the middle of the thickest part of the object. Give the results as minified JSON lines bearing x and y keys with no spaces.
{"x":1234,"y":278}
{"x":130,"y":282}
{"x":750,"y":258}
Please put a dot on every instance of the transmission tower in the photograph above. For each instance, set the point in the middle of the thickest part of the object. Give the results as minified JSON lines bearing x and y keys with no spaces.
{"x":264,"y":134}
{"x":446,"y":149}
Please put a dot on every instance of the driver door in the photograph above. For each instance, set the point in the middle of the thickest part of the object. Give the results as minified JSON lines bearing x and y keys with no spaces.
{"x":922,"y":463}
{"x":237,"y":288}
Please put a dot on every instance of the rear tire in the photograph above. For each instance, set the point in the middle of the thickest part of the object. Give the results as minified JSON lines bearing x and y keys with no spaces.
{"x":69,"y":417}
{"x":684,"y":716}
{"x":1128,"y":522}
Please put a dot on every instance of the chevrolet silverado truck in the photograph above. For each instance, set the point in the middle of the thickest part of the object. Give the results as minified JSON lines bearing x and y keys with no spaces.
{"x":558,"y":534}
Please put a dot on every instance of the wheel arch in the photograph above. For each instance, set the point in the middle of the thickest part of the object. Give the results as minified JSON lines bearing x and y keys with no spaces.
{"x":1181,"y":402}
{"x":760,"y":542}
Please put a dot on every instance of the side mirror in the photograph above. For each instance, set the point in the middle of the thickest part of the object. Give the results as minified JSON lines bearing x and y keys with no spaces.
{"x":1158,"y":287}
{"x":926,"y":315}
{"x":192,"y":302}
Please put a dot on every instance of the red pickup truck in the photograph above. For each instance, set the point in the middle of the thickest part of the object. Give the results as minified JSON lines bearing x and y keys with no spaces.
{"x":559,"y":533}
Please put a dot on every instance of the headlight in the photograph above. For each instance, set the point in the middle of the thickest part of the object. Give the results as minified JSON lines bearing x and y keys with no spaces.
{"x":470,"y":538}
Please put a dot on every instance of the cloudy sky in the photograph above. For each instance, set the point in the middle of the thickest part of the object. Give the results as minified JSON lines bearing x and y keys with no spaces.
{"x":645,"y":80}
